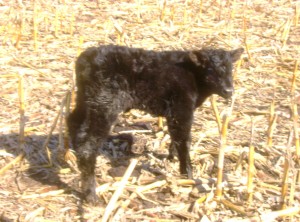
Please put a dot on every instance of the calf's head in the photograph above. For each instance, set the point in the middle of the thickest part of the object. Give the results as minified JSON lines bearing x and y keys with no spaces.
{"x":214,"y":69}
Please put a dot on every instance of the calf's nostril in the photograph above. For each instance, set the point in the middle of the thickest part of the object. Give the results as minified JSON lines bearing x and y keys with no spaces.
{"x":228,"y":91}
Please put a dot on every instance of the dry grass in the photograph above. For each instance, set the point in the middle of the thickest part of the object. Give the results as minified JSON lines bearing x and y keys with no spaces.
{"x":257,"y":178}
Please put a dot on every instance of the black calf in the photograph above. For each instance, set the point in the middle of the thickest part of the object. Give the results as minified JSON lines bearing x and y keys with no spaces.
{"x":112,"y":79}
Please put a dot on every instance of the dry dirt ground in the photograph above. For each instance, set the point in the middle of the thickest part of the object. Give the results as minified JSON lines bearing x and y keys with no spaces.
{"x":40,"y":41}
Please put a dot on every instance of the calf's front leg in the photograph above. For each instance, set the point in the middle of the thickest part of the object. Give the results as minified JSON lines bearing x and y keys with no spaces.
{"x":179,"y":129}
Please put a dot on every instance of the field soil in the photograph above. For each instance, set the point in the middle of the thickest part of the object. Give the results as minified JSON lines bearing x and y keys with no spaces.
{"x":39,"y":179}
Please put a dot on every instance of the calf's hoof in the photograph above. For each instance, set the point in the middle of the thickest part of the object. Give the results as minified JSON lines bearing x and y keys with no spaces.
{"x":91,"y":198}
{"x":170,"y":157}
{"x":187,"y":172}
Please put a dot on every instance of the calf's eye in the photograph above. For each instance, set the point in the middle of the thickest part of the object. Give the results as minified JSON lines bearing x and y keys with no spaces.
{"x":223,"y":69}
{"x":210,"y":71}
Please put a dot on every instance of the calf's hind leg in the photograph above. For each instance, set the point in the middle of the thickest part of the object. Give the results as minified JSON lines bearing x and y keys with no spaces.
{"x":87,"y":138}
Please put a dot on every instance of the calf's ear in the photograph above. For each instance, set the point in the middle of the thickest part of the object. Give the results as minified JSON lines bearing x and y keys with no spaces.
{"x":236,"y":54}
{"x":197,"y":58}
{"x":193,"y":58}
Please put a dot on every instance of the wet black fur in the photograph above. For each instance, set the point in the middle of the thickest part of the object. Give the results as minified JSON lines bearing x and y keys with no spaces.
{"x":112,"y":79}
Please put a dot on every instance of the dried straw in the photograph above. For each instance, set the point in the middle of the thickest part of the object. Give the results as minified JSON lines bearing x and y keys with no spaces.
{"x":111,"y":205}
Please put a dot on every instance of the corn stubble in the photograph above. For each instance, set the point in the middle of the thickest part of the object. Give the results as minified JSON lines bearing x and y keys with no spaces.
{"x":170,"y":26}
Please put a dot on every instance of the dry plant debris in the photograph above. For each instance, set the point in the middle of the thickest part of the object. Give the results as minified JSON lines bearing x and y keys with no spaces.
{"x":258,"y":175}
